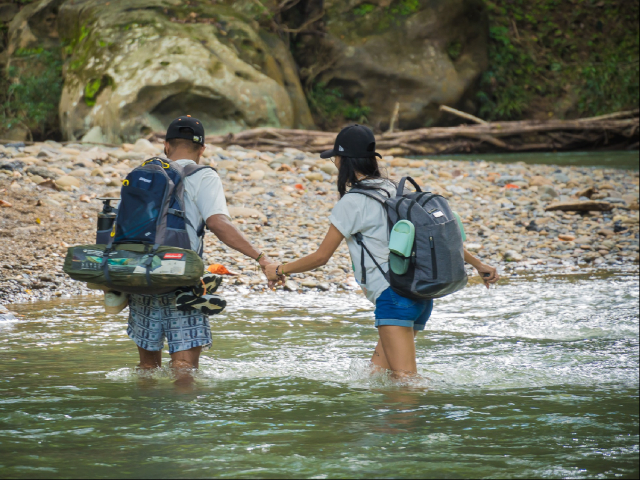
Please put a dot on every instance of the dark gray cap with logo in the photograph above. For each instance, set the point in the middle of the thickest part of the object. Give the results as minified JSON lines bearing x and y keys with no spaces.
{"x":354,"y":141}
{"x":188,"y":128}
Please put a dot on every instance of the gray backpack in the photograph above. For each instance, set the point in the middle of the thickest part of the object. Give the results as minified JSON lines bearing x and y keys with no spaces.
{"x":436,"y":265}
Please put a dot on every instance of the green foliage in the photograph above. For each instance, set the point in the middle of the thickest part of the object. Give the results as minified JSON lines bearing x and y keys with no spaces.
{"x":32,"y":95}
{"x":364,"y":9}
{"x":405,"y":7}
{"x":91,"y":89}
{"x":559,"y":58}
{"x":330,"y":105}
{"x":454,"y":50}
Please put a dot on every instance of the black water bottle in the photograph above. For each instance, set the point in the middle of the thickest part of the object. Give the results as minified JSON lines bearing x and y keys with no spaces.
{"x":106,"y":219}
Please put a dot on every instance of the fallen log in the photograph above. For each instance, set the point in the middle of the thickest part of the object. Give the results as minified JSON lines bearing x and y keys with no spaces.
{"x":580,"y":206}
{"x":619,"y":130}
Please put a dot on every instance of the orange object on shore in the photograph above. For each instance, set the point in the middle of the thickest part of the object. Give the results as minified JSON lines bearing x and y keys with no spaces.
{"x":218,"y":269}
{"x":299,"y":186}
{"x":512,"y":186}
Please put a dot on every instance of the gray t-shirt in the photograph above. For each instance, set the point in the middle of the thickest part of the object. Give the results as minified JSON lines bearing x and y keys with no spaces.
{"x":359,"y":213}
{"x":204,"y":197}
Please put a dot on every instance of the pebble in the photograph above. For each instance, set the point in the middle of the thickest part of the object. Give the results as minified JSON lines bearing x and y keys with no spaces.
{"x":67,"y":181}
{"x":282,"y":202}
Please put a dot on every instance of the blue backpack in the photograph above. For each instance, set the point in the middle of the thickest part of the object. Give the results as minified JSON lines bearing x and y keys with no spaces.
{"x":152,"y":208}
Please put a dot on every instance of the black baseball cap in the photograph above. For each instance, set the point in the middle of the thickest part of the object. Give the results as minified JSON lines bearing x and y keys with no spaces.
{"x":356,"y":141}
{"x":188,"y":128}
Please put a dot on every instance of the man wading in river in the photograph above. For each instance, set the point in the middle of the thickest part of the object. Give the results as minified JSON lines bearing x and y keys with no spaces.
{"x":152,"y":318}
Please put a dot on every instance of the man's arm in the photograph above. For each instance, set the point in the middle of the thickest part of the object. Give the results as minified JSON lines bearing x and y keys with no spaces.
{"x":228,"y":234}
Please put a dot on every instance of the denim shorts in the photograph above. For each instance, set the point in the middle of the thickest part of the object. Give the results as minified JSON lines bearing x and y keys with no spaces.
{"x":152,"y":318}
{"x":393,"y":309}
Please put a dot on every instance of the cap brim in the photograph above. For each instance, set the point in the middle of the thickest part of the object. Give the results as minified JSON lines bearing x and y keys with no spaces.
{"x":328,"y":154}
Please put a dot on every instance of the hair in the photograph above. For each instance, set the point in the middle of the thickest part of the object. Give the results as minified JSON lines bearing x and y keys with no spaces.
{"x":350,"y":167}
{"x":190,"y":146}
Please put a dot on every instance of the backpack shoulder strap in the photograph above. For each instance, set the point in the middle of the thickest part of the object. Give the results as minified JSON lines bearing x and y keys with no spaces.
{"x":192,"y":169}
{"x":375,"y":194}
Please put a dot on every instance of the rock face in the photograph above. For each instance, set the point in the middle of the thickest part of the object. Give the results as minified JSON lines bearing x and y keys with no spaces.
{"x":419,"y":54}
{"x":134,"y":65}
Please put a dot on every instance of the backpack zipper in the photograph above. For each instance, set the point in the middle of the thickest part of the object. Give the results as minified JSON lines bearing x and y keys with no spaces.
{"x":434,"y":264}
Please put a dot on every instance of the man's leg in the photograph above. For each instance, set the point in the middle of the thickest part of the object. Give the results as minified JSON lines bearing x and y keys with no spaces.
{"x":187,"y":359}
{"x":149,"y":360}
{"x":183,"y":364}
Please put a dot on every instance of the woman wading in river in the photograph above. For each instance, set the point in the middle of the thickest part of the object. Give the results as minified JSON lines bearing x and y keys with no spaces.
{"x":398,"y":319}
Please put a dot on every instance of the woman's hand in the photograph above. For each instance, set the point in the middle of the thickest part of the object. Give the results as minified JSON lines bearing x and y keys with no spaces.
{"x":488,"y":273}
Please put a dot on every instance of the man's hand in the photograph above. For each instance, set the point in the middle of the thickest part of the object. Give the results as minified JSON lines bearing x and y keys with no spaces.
{"x":266,"y":263}
{"x":488,"y":273}
{"x":270,"y":272}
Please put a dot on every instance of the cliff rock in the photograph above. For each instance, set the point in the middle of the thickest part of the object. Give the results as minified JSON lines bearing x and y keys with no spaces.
{"x":133,"y":65}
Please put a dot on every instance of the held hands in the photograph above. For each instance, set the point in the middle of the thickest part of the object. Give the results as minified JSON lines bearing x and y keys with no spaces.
{"x":269,"y":269}
{"x":271,"y":274}
{"x":489,"y":274}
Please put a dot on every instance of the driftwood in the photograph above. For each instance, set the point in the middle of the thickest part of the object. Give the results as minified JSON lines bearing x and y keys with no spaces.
{"x":580,"y":206}
{"x":615,"y":131}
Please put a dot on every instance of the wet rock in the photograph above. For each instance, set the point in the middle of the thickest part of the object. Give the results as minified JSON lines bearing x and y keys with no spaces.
{"x":562,"y":178}
{"x":5,"y":314}
{"x":548,"y":191}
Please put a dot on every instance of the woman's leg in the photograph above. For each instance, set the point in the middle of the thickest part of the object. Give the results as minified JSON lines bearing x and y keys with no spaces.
{"x":399,"y":349}
{"x":379,"y":359}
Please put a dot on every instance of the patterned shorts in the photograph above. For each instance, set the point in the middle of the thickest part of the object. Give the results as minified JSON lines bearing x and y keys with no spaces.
{"x":152,"y":318}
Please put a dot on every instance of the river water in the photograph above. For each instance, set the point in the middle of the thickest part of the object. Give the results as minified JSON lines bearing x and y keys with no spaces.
{"x":538,"y":378}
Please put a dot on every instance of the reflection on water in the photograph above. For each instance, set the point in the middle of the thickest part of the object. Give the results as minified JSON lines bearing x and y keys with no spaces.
{"x":538,"y":378}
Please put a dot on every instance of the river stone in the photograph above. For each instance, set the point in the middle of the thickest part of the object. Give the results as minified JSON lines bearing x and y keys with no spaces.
{"x":5,"y":314}
{"x":510,"y":179}
{"x":247,"y":213}
{"x":42,"y":172}
{"x":540,"y":181}
{"x":137,"y":66}
{"x":291,"y":286}
{"x":93,"y":136}
{"x":548,"y":191}
{"x":512,"y":256}
{"x":257,"y":175}
{"x":314,"y":177}
{"x":68,"y":181}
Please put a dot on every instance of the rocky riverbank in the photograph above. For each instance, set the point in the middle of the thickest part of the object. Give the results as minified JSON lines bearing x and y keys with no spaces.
{"x":48,"y":201}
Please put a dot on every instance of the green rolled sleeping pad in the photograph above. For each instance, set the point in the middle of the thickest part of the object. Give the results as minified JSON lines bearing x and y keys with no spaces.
{"x":130,"y":270}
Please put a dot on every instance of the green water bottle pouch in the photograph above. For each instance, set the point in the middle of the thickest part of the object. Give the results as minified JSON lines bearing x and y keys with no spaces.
{"x":401,"y":246}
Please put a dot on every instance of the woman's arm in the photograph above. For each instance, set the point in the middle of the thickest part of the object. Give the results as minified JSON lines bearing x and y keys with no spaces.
{"x":490,"y":272}
{"x":317,"y":259}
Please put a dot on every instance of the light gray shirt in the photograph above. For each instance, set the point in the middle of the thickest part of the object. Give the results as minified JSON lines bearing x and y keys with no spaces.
{"x":203,"y":197}
{"x":359,"y":213}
